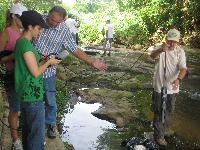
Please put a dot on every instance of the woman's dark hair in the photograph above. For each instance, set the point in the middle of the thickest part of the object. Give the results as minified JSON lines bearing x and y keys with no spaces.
{"x":33,"y":18}
{"x":59,"y":10}
{"x":27,"y":23}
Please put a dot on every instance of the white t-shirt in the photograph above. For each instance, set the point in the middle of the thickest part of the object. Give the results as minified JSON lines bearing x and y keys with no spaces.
{"x":109,"y":29}
{"x":175,"y":60}
{"x":71,"y":24}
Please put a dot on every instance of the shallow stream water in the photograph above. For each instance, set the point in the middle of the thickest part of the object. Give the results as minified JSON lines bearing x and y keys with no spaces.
{"x":81,"y":128}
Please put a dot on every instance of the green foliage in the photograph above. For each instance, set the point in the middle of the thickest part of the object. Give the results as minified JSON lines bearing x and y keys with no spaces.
{"x":3,"y":9}
{"x":61,"y":97}
{"x":39,"y":5}
{"x":143,"y":99}
{"x":69,"y":60}
{"x":135,"y":22}
{"x":130,"y":29}
{"x":139,"y":21}
{"x":88,"y":6}
{"x":91,"y":29}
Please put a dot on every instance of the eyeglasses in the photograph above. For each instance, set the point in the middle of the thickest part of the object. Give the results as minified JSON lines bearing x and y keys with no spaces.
{"x":52,"y":19}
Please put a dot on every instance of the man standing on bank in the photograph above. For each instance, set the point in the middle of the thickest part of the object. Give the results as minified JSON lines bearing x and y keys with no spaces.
{"x":169,"y":71}
{"x":52,"y":40}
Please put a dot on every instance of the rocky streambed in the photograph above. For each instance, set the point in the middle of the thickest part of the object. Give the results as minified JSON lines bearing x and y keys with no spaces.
{"x":124,"y":91}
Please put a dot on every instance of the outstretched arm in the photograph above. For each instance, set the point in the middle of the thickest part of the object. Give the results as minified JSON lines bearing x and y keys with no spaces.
{"x":96,"y":63}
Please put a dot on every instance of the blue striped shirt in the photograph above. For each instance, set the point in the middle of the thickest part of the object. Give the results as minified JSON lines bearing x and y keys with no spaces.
{"x":53,"y":40}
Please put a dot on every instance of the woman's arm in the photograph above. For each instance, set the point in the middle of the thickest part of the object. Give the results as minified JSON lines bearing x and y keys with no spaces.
{"x":3,"y":40}
{"x":32,"y":65}
{"x":8,"y":58}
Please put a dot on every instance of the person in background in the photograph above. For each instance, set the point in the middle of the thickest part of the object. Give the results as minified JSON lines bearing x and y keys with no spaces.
{"x":7,"y":44}
{"x":53,"y":40}
{"x":169,"y":72}
{"x":78,"y":23}
{"x":29,"y":82}
{"x":72,"y":26}
{"x":108,"y":36}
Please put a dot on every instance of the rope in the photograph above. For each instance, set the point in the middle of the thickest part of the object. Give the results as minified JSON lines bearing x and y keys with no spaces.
{"x":123,"y":75}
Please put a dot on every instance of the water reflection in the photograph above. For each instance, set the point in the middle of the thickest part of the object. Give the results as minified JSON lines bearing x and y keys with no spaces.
{"x":186,"y":118}
{"x":81,"y":128}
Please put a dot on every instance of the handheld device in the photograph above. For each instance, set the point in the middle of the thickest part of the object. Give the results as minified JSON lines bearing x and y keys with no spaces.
{"x":62,"y":55}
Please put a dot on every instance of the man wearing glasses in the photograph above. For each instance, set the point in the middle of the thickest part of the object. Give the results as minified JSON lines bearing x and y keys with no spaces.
{"x":52,"y":40}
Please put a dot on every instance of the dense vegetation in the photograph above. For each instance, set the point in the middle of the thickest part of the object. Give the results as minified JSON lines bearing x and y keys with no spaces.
{"x":39,"y":5}
{"x":142,"y":21}
{"x":135,"y":22}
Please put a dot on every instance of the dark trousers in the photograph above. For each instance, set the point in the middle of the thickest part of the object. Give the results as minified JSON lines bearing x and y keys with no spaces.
{"x":159,"y":126}
{"x":33,"y":125}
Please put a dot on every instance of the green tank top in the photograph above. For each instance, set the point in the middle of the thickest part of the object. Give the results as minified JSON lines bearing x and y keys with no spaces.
{"x":28,"y":88}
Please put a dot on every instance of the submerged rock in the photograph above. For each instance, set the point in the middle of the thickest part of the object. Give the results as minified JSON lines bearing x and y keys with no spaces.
{"x":116,"y":106}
